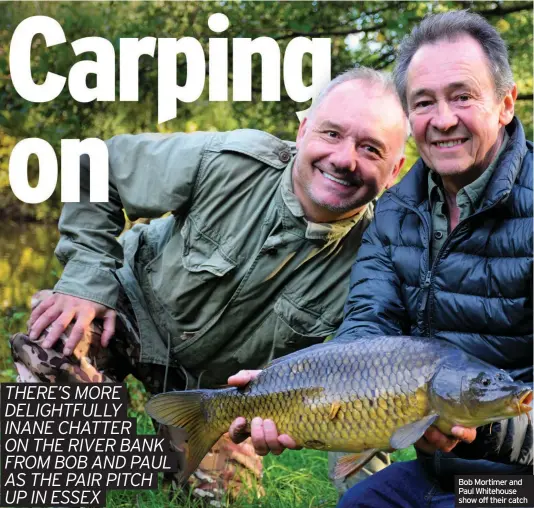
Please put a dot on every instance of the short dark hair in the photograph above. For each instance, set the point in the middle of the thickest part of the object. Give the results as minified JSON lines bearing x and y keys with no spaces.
{"x":450,"y":26}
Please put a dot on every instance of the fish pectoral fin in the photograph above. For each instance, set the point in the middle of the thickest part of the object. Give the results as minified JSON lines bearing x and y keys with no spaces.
{"x":350,"y":464}
{"x":334,"y":410}
{"x":409,"y":434}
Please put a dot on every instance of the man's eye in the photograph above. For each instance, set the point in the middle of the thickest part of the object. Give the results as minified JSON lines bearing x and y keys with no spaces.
{"x":422,"y":104}
{"x":372,"y":149}
{"x":332,"y":134}
{"x":463,"y":98}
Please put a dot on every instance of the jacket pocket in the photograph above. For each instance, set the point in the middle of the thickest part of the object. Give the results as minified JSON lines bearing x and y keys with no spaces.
{"x":201,"y":254}
{"x":296,"y":321}
{"x":287,"y":328}
{"x":186,"y":277}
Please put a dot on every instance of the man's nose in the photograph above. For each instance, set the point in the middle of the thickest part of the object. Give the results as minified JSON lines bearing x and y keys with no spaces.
{"x":444,"y":117}
{"x":344,"y":156}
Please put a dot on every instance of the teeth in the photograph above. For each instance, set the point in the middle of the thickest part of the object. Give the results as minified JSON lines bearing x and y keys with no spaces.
{"x":337,"y":180}
{"x":447,"y":144}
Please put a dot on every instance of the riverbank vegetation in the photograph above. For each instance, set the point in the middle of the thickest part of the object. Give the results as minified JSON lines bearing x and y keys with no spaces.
{"x":365,"y":33}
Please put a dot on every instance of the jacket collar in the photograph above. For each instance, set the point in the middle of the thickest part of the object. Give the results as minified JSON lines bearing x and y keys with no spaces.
{"x":508,"y":165}
{"x":413,"y":189}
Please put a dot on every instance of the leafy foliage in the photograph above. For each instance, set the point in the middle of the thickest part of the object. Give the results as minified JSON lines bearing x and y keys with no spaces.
{"x":366,"y":33}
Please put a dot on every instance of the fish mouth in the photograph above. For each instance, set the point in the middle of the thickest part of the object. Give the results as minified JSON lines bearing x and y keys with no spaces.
{"x":524,"y":401}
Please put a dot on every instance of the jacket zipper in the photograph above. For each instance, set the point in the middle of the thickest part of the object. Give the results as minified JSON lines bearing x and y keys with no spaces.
{"x":428,"y":276}
{"x":427,"y":283}
{"x":426,"y":288}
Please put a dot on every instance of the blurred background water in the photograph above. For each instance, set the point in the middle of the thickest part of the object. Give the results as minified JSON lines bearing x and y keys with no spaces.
{"x":27,"y":264}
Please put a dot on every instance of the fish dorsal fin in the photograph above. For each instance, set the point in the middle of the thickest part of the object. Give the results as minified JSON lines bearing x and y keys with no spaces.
{"x":409,"y":434}
{"x":350,"y":464}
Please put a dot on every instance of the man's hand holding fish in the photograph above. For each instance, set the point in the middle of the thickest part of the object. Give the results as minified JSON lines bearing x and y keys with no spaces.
{"x":263,"y":433}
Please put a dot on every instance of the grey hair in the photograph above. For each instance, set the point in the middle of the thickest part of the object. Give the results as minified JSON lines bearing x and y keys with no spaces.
{"x":366,"y":74}
{"x":450,"y":26}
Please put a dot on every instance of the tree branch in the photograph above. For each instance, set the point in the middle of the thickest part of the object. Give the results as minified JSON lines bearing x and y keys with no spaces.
{"x":524,"y":97}
{"x":383,"y":61}
{"x":504,"y":9}
{"x":326,"y":29}
{"x":387,"y":7}
{"x":348,"y":31}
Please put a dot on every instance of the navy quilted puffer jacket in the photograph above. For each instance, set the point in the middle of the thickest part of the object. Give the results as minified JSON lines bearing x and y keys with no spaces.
{"x":477,"y":293}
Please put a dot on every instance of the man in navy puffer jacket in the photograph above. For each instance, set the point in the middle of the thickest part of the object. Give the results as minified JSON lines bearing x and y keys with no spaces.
{"x":449,"y":253}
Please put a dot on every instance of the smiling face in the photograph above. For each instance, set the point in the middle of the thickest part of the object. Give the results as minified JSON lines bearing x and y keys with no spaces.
{"x":454,"y":113}
{"x":349,"y":150}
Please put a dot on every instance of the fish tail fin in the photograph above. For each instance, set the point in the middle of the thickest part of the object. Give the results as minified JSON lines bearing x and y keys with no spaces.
{"x":186,"y":411}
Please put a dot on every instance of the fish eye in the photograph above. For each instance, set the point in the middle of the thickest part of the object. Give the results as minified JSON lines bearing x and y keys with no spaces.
{"x":486,"y":381}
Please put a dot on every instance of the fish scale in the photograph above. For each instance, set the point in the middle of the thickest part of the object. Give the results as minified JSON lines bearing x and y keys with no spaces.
{"x":375,"y":408}
{"x":373,"y":393}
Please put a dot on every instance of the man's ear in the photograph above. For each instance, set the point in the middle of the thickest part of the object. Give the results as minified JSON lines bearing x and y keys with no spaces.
{"x":507,"y":106}
{"x":302,"y":130}
{"x":395,"y":172}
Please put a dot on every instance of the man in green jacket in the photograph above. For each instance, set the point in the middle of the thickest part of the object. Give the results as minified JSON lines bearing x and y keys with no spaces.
{"x":253,"y":262}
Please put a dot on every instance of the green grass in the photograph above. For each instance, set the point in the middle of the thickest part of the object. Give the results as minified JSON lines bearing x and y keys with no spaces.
{"x":11,"y":321}
{"x":291,"y":480}
{"x":295,"y":480}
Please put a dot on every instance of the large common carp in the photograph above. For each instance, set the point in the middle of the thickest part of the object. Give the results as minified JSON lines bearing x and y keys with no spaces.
{"x":371,"y":394}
